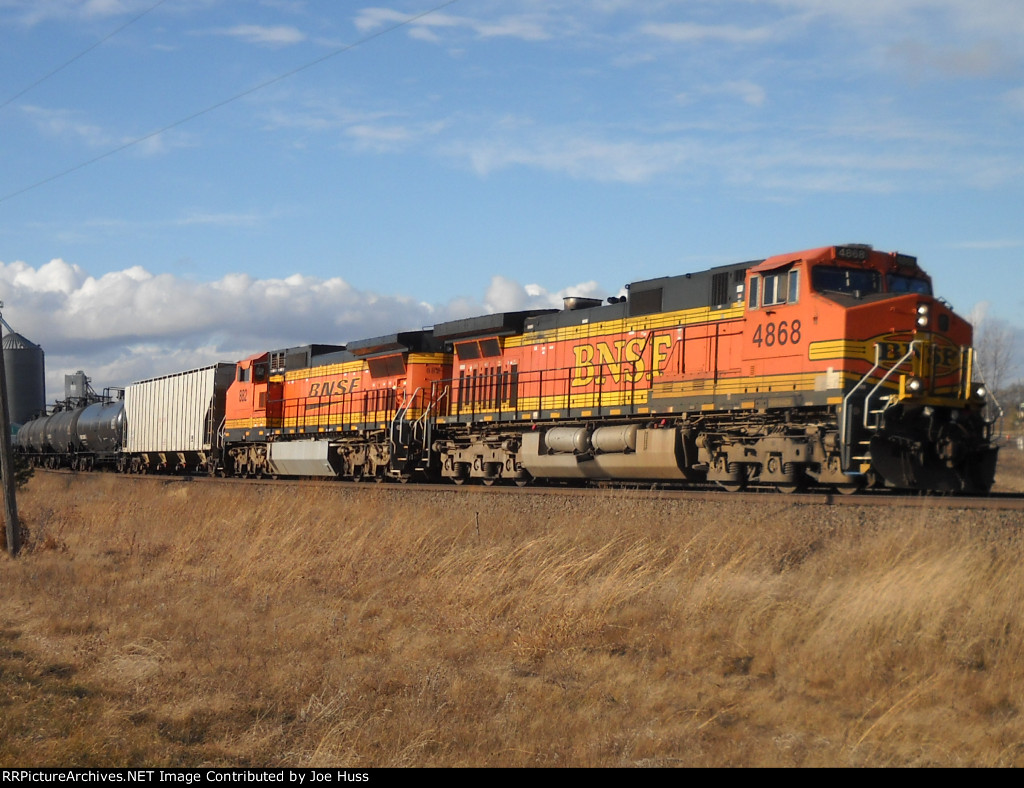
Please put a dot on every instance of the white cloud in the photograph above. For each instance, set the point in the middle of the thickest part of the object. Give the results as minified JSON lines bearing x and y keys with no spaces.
{"x":383,"y":138}
{"x":55,"y":276}
{"x":33,"y":12}
{"x":279,"y":35}
{"x":528,"y":27}
{"x":69,"y":125}
{"x":133,"y":324}
{"x":221,"y":219}
{"x":748,"y":92}
{"x":66,"y":123}
{"x":979,"y":16}
{"x":578,"y":156}
{"x":374,"y":131}
{"x":684,"y":32}
{"x":506,"y":295}
{"x":104,"y":8}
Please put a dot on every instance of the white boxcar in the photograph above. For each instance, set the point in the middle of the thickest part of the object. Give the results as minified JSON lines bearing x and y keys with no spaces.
{"x":177,"y":413}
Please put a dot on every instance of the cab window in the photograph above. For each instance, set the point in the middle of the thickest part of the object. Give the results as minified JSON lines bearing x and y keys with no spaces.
{"x":897,"y":283}
{"x":781,"y":288}
{"x":857,"y":282}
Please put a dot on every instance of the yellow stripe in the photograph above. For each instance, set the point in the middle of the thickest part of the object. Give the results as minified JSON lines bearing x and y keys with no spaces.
{"x":329,"y":370}
{"x":430,"y":358}
{"x":358,"y":366}
{"x":251,"y":424}
{"x":662,"y":320}
{"x":840,"y":348}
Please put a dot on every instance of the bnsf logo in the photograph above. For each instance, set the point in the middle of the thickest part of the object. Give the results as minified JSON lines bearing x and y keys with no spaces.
{"x":626,"y":360}
{"x":329,"y":388}
{"x":945,"y":356}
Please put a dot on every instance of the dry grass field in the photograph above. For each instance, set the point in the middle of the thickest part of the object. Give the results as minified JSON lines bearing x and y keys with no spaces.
{"x":168,"y":623}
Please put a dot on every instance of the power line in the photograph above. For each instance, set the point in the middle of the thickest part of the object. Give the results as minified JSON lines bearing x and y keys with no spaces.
{"x":273,"y":81}
{"x":81,"y":54}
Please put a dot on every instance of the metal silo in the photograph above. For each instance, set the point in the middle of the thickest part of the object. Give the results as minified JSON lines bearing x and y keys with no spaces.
{"x":26,"y":387}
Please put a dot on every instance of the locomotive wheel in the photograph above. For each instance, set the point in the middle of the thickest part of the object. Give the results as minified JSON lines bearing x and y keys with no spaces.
{"x":732,"y":486}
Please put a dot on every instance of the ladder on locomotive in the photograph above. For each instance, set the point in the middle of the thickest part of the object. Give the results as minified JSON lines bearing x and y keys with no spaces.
{"x":872,"y":411}
{"x":410,"y":440}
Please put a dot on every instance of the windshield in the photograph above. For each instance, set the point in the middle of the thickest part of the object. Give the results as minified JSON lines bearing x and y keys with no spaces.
{"x":855,"y":281}
{"x":896,"y":283}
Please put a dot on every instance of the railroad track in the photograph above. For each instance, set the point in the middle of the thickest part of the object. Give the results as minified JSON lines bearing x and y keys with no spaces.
{"x":994,"y":501}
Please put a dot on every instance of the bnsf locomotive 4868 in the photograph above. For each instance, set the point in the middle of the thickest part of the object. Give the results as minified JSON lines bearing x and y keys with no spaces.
{"x":834,"y":367}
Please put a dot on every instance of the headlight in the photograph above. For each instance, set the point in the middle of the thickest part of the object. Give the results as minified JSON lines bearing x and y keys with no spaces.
{"x":923,"y":312}
{"x":915,"y":385}
{"x":980,"y":392}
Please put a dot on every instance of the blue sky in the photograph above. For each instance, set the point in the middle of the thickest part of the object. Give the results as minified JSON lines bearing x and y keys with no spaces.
{"x":386,"y":174}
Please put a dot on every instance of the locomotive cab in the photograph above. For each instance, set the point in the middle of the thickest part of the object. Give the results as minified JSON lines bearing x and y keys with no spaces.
{"x":254,"y":397}
{"x":911,"y":411}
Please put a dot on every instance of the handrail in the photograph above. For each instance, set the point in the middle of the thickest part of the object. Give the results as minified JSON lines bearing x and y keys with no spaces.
{"x":846,"y":421}
{"x":885,"y":377}
{"x":400,"y":414}
{"x":843,"y":429}
{"x":430,"y":407}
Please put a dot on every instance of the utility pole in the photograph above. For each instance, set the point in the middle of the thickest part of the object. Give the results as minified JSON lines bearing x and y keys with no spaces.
{"x":7,"y":460}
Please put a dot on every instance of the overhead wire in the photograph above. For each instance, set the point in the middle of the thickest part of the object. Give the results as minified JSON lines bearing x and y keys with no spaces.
{"x":218,"y":105}
{"x":81,"y":54}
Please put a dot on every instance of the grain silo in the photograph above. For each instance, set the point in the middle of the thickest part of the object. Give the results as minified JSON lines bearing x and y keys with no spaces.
{"x":26,"y":386}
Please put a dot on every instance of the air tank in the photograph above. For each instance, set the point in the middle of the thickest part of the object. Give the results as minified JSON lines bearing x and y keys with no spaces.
{"x":616,"y":439}
{"x":101,"y":427}
{"x":26,"y":387}
{"x":568,"y":440}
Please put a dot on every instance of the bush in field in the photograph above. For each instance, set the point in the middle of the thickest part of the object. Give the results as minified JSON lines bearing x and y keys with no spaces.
{"x":22,"y":471}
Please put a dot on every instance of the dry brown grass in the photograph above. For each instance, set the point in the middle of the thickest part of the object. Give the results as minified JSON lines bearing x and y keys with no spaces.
{"x":171,"y":623}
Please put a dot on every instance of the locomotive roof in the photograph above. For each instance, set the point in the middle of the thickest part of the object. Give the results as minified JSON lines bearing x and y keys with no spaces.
{"x":414,"y":341}
{"x":499,"y":324}
{"x":302,"y":356}
{"x":693,"y":278}
{"x":715,"y":288}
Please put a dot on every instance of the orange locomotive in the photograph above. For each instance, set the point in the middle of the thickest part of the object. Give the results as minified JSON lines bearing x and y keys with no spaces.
{"x":835,"y":366}
{"x":326,"y":410}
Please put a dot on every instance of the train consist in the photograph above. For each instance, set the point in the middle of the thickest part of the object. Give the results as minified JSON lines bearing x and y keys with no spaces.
{"x":834,"y":367}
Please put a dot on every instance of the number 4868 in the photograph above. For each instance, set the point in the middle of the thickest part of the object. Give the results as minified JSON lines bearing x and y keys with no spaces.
{"x":783,"y":333}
